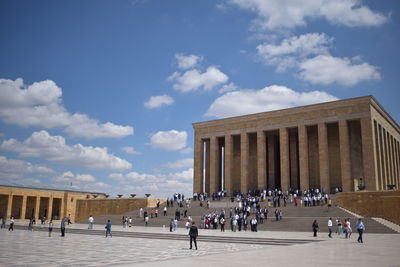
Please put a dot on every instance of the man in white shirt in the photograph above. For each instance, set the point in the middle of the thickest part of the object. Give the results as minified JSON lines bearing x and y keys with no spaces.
{"x":91,"y":222}
{"x":330,"y":225}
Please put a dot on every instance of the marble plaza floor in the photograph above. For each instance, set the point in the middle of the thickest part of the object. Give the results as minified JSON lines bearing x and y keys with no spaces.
{"x":25,"y":248}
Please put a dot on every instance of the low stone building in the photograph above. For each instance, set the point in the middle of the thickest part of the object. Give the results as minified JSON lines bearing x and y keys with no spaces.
{"x":25,"y":203}
{"x":350,"y":144}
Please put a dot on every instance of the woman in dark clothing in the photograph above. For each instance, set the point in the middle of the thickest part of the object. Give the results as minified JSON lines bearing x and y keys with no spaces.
{"x":315,"y":227}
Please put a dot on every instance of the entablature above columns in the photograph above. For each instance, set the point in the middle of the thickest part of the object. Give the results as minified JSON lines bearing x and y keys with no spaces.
{"x":272,"y":127}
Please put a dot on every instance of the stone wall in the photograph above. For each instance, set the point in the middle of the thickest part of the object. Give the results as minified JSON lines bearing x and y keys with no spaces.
{"x":96,"y":207}
{"x":372,"y":204}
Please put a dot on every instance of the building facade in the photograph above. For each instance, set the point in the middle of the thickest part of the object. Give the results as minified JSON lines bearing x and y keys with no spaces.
{"x":25,"y":203}
{"x":350,"y":144}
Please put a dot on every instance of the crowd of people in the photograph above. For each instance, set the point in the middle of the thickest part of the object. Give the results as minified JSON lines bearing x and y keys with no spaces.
{"x":251,"y":209}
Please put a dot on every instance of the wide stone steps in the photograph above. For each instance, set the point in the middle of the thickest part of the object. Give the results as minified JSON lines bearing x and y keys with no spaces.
{"x":294,"y":218}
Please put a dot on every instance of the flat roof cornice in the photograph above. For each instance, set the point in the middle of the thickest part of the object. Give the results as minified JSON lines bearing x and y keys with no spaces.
{"x":49,"y":189}
{"x":287,"y":111}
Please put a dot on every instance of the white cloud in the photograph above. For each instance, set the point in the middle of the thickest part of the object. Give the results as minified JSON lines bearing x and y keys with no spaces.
{"x":269,"y":98}
{"x":68,"y":177}
{"x":309,"y":55}
{"x":82,"y":182}
{"x":130,"y":150}
{"x":179,"y":164}
{"x":160,"y":184}
{"x":53,"y":148}
{"x":169,"y":140}
{"x":188,"y":61}
{"x":158,"y":101}
{"x":227,"y":88}
{"x":325,"y":69}
{"x":186,"y":150}
{"x":287,"y":14}
{"x":194,"y":79}
{"x":40,"y":105}
{"x":9,"y":166}
{"x":290,"y":50}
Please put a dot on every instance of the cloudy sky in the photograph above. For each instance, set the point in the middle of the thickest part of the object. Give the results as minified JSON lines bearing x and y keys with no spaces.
{"x":100,"y":95}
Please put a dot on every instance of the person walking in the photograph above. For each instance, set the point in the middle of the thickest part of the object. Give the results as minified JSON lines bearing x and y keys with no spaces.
{"x":193,"y":233}
{"x":50,"y":227}
{"x":3,"y":222}
{"x":350,"y":230}
{"x":222,"y":223}
{"x":315,"y":227}
{"x":62,"y":226}
{"x":360,"y":229}
{"x":91,"y":222}
{"x":330,"y":225}
{"x":11,"y":227}
{"x":171,"y":225}
{"x":108,"y":228}
{"x":30,"y":225}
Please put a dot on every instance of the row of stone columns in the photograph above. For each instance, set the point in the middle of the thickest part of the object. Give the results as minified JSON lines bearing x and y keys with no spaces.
{"x":387,"y":149}
{"x":347,"y":180}
{"x":37,"y":206}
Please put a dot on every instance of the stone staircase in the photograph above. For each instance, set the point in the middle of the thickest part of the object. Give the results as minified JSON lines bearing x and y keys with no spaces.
{"x":297,"y":219}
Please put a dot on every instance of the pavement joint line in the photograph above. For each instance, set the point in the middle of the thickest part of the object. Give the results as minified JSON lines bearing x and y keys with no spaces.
{"x":218,"y":239}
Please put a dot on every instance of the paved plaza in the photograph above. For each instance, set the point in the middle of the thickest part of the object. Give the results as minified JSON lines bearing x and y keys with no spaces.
{"x":82,"y":247}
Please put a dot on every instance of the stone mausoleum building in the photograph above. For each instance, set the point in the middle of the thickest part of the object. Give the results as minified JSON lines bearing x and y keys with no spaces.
{"x":350,"y":144}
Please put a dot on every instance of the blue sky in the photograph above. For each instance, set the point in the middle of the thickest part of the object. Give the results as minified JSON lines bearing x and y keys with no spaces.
{"x":101,"y":95}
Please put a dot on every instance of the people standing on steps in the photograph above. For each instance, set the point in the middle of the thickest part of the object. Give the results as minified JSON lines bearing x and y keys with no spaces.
{"x":165,"y":211}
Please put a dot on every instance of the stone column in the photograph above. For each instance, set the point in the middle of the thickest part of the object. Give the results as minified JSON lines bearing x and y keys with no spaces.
{"x":261,"y":172}
{"x":50,"y":209}
{"x":398,"y":165}
{"x":284,"y":149}
{"x":271,"y":162}
{"x":323,"y":156}
{"x":198,"y":164}
{"x":345,"y":162}
{"x":9,"y":205}
{"x":385,"y":159}
{"x":37,"y":207}
{"x":228,"y":164}
{"x":244,"y":157}
{"x":379,"y":156}
{"x":368,"y":154}
{"x":23,"y":208}
{"x":214,"y":173}
{"x":376,"y":151}
{"x":392,"y":158}
{"x":62,"y":207}
{"x":303,"y":158}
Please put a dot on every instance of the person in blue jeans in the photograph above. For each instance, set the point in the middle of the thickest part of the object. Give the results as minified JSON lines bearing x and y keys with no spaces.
{"x":360,"y":229}
{"x":108,"y":228}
